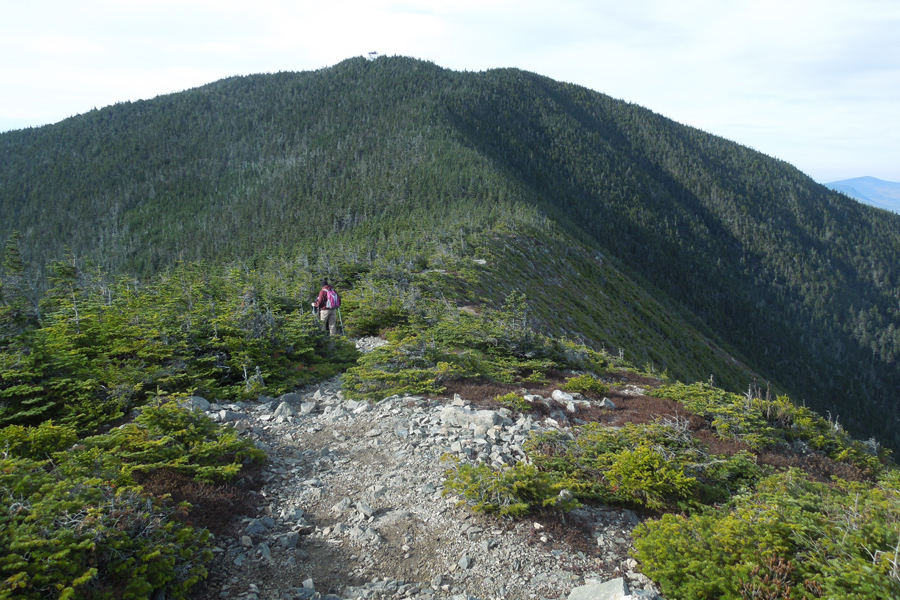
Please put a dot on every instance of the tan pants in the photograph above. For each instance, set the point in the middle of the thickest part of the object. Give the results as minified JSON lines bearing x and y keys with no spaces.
{"x":329,"y":318}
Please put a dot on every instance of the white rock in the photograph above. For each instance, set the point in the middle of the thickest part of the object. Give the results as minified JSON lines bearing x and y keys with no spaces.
{"x":561,"y":396}
{"x":614,"y":589}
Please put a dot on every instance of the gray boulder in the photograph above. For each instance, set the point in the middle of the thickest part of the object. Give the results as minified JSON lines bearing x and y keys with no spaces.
{"x":258,"y":526}
{"x":195,"y":403}
{"x":284,"y":410}
{"x":464,"y":417}
{"x":227,"y":416}
{"x":291,"y":398}
{"x":289,"y":540}
{"x":614,"y":589}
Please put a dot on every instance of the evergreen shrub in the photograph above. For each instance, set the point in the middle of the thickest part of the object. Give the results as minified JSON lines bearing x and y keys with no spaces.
{"x":761,"y":423}
{"x":79,"y":537}
{"x":37,"y":443}
{"x":172,"y":438}
{"x":514,"y":401}
{"x":103,"y":349}
{"x":791,"y":538}
{"x":373,"y":320}
{"x":512,"y":492}
{"x":443,"y":343}
{"x":586,"y":384}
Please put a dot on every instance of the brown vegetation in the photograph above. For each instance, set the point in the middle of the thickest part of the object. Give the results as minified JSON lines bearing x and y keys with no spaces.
{"x":819,"y":466}
{"x":214,"y":507}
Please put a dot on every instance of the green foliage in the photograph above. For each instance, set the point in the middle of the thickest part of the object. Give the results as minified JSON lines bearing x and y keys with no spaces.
{"x":585,"y":384}
{"x":655,"y":466}
{"x":514,"y":401}
{"x":78,"y":537}
{"x":814,"y":540}
{"x":371,"y":317}
{"x":444,"y":343}
{"x":730,"y":415}
{"x":172,"y":438}
{"x":19,"y":309}
{"x":760,"y":423}
{"x":645,"y":476}
{"x":78,"y":526}
{"x":103,"y":348}
{"x":379,"y":384}
{"x":509,"y":492}
{"x":36,"y":442}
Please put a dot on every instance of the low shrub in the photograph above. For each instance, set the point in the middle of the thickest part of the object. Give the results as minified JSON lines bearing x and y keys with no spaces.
{"x":509,"y":492}
{"x":514,"y":401}
{"x":812,"y":540}
{"x":79,"y":527}
{"x":655,"y":466}
{"x":167,"y":437}
{"x":77,"y":537}
{"x":444,"y":343}
{"x":36,"y":442}
{"x":650,"y":466}
{"x":763,"y":423}
{"x":646,"y":477}
{"x":406,"y":368}
{"x":365,"y":319}
{"x":586,"y":384}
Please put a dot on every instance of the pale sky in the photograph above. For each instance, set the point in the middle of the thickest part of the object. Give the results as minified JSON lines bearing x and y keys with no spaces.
{"x":812,"y":82}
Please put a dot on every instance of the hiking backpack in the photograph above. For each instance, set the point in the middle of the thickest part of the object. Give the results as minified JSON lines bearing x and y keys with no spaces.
{"x":332,"y":300}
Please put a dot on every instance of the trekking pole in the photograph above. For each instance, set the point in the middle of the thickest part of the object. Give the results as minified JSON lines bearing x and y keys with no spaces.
{"x":340,"y":320}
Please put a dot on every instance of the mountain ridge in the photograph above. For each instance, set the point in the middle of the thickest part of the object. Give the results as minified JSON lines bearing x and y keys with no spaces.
{"x":377,"y":157}
{"x":871,"y":191}
{"x":526,"y":268}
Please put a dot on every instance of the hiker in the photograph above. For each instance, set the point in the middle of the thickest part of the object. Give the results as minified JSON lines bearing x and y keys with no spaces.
{"x":327,"y":304}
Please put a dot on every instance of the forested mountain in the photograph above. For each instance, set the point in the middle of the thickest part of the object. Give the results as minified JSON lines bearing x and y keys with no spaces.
{"x":735,"y":263}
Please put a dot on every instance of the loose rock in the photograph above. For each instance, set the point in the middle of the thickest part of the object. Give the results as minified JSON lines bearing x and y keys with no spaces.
{"x":355,"y":501}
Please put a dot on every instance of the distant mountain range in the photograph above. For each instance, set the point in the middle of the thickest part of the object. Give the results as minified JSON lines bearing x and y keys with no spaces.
{"x":871,"y":191}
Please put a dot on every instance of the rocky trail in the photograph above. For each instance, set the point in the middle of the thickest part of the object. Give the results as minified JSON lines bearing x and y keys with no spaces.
{"x":353,"y":507}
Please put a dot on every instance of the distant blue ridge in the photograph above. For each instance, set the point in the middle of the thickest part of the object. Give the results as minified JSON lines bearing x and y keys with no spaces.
{"x":871,"y":191}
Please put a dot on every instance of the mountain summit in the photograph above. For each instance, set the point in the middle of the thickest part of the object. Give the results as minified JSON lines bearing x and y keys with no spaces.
{"x":623,"y":220}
